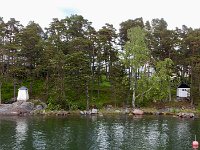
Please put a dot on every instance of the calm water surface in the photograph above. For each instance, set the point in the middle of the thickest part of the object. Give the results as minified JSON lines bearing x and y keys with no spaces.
{"x":98,"y":133}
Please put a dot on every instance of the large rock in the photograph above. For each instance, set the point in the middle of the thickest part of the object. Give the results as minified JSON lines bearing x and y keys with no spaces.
{"x":22,"y":108}
{"x":27,"y":106}
{"x":89,"y":112}
{"x":186,"y":115}
{"x":39,"y":104}
{"x":17,"y":108}
{"x":94,"y":111}
{"x":39,"y":107}
{"x":137,"y":112}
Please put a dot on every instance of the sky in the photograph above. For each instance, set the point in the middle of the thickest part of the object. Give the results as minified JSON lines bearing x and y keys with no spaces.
{"x":175,"y":12}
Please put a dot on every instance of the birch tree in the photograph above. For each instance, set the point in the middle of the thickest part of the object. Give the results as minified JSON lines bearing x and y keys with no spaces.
{"x":135,"y":56}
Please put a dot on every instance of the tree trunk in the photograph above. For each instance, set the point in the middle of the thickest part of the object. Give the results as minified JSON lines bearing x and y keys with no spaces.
{"x":63,"y":88}
{"x":170,"y":95}
{"x":92,"y":69}
{"x":114,"y":96}
{"x":14,"y":91}
{"x":98,"y":90}
{"x":133,"y":86}
{"x":47,"y":85}
{"x":98,"y":71}
{"x":113,"y":92}
{"x":107,"y":66}
{"x":31,"y":88}
{"x":133,"y":98}
{"x":129,"y":86}
{"x":199,"y":88}
{"x":192,"y":85}
{"x":87,"y":97}
{"x":0,"y":92}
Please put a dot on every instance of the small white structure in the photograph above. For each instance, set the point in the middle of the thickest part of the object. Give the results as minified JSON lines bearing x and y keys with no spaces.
{"x":23,"y":94}
{"x":183,"y":92}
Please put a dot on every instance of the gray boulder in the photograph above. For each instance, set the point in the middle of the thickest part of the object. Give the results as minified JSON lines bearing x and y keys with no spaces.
{"x":22,"y":108}
{"x":28,"y":106}
{"x":186,"y":115}
{"x":39,"y":107}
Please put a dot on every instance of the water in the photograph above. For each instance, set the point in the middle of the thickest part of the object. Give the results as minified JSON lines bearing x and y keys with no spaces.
{"x":98,"y":133}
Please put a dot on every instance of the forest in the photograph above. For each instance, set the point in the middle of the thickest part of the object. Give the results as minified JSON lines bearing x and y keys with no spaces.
{"x":70,"y":65}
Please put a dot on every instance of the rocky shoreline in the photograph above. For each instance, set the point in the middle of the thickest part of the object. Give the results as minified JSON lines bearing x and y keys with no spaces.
{"x":23,"y":108}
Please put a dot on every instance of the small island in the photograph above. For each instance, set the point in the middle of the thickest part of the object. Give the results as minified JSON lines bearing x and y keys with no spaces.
{"x":72,"y":67}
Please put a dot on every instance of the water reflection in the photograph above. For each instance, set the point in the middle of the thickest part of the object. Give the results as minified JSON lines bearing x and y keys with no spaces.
{"x":21,"y":132}
{"x":156,"y":134}
{"x":102,"y":137}
{"x":94,"y":118}
{"x":98,"y":133}
{"x":118,"y":134}
{"x":39,"y":141}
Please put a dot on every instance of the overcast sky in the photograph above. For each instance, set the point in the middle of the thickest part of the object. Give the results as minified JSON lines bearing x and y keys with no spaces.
{"x":99,"y":12}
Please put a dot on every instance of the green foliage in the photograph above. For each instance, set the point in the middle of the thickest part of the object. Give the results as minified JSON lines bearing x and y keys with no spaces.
{"x":136,"y":48}
{"x":52,"y":105}
{"x":126,"y":25}
{"x":70,"y":65}
{"x":105,"y":83}
{"x":7,"y":91}
{"x":135,"y":56}
{"x":77,"y":71}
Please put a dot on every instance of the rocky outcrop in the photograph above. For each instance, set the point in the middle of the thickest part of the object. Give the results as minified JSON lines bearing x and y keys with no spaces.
{"x":19,"y":108}
{"x":186,"y":115}
{"x":89,"y":112}
{"x":22,"y":108}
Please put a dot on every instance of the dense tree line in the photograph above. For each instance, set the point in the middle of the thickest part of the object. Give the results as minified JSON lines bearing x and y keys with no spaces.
{"x":72,"y":65}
